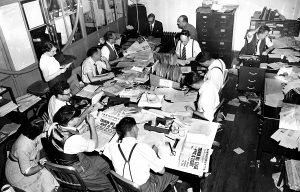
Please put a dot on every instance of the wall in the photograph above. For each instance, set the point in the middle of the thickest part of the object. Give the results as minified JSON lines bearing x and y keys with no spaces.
{"x":168,"y":11}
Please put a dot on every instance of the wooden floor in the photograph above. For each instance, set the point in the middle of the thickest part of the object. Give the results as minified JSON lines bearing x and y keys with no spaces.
{"x":237,"y":173}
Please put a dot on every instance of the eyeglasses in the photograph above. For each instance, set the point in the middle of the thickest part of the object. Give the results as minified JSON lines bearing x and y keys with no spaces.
{"x":68,"y":94}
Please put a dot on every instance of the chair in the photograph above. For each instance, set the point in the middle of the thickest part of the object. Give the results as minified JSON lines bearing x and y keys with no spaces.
{"x":124,"y":185}
{"x":39,"y":88}
{"x":75,"y":80}
{"x":66,"y":176}
{"x":218,"y":108}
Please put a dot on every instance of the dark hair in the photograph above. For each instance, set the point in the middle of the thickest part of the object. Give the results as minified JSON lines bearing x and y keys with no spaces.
{"x":184,"y":18}
{"x":202,"y":57}
{"x":164,"y":58}
{"x":151,"y":15}
{"x":33,"y":128}
{"x":66,"y":114}
{"x":185,"y":33}
{"x":263,"y":29}
{"x":92,"y":51}
{"x":59,"y":87}
{"x":108,"y":35}
{"x":192,"y":77}
{"x":47,"y":46}
{"x":125,"y":125}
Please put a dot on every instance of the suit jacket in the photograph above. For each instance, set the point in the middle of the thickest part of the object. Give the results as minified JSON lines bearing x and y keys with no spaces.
{"x":156,"y":32}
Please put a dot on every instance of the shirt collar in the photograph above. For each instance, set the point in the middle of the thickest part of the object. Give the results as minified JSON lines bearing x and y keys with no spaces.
{"x":129,"y":140}
{"x":111,"y":45}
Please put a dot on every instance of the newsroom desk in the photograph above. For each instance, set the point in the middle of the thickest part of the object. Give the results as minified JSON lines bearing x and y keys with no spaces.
{"x":271,"y":124}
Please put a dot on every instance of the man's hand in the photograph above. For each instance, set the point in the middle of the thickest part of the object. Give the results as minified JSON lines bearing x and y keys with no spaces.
{"x":155,"y":149}
{"x":264,"y":53}
{"x":104,"y":59}
{"x":111,"y":75}
{"x":189,"y":108}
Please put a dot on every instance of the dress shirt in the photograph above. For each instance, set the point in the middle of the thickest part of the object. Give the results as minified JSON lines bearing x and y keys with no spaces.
{"x":48,"y":65}
{"x":142,"y":160}
{"x":269,"y":43}
{"x":188,"y":49}
{"x":215,"y":73}
{"x":208,"y":99}
{"x":53,"y":106}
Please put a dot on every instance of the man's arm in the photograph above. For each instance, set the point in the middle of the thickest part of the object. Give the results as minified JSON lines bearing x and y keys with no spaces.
{"x":91,"y":122}
{"x":101,"y":77}
{"x":48,"y":77}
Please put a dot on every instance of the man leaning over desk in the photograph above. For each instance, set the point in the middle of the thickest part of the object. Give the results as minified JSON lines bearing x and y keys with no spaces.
{"x":92,"y":67}
{"x":134,"y":160}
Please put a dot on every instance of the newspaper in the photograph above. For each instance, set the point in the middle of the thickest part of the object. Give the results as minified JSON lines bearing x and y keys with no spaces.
{"x":88,"y":91}
{"x":293,"y":174}
{"x":290,"y":117}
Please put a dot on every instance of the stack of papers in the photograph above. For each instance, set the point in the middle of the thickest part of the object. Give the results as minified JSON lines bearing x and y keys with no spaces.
{"x":7,"y":108}
{"x":133,"y":94}
{"x":293,"y":174}
{"x":114,"y":90}
{"x":125,"y":64}
{"x":274,"y":99}
{"x":151,"y":100}
{"x":26,"y":101}
{"x":89,"y":91}
{"x":287,"y":138}
{"x":290,"y":117}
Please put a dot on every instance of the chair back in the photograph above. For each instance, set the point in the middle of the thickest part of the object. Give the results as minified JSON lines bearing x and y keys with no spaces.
{"x":66,"y":176}
{"x":124,"y":185}
{"x":218,"y":108}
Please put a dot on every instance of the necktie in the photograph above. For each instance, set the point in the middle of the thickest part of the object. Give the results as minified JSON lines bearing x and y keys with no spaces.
{"x":183,"y":55}
{"x":97,"y":72}
{"x":257,"y":40}
{"x":113,"y":47}
{"x":151,"y":28}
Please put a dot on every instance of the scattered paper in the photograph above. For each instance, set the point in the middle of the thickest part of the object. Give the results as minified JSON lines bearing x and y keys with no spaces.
{"x":238,"y":151}
{"x":229,"y":117}
{"x":234,"y":102}
{"x":273,"y":160}
{"x":243,"y":99}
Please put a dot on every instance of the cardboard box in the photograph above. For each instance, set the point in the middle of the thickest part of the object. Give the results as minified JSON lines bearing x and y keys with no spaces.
{"x":152,"y":126}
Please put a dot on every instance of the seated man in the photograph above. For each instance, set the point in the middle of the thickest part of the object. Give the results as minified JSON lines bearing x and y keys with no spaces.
{"x":134,"y":160}
{"x":92,"y":67}
{"x":208,"y":98}
{"x":187,"y":49}
{"x":153,"y":28}
{"x":68,"y":147}
{"x":216,"y":69}
{"x":109,"y":51}
{"x":61,"y":97}
{"x":257,"y":41}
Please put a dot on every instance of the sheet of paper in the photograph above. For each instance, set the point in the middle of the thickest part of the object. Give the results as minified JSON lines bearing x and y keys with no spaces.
{"x":151,"y":100}
{"x":230,"y":117}
{"x":176,"y":107}
{"x":238,"y":150}
{"x":234,"y":102}
{"x":243,"y":99}
{"x":165,"y":83}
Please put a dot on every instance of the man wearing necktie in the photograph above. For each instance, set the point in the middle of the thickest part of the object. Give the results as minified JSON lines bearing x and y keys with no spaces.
{"x":187,"y":49}
{"x":109,"y":51}
{"x":92,"y":67}
{"x":153,"y":28}
{"x":257,"y":42}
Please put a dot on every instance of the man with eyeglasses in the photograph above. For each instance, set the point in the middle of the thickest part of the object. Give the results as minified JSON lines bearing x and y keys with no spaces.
{"x":61,"y":97}
{"x":153,"y":28}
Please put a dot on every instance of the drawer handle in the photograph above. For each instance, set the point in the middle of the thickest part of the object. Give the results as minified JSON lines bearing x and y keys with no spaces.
{"x":203,"y":42}
{"x":222,"y":43}
{"x":223,"y":21}
{"x":223,"y":17}
{"x":204,"y":17}
{"x":222,"y":30}
{"x":252,"y":81}
{"x":251,"y":88}
{"x":204,"y":30}
{"x":204,"y":34}
{"x":252,"y":73}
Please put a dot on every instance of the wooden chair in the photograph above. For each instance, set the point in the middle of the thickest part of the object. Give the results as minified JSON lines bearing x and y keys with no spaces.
{"x":66,"y":176}
{"x":124,"y":185}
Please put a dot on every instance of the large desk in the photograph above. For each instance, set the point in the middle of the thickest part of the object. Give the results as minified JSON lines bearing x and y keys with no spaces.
{"x":271,"y":123}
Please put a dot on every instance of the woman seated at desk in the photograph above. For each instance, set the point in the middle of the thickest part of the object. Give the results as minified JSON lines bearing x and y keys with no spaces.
{"x":92,"y":67}
{"x":134,"y":160}
{"x":187,"y":49}
{"x":208,"y":97}
{"x":24,"y":168}
{"x":50,"y":67}
{"x":67,"y":147}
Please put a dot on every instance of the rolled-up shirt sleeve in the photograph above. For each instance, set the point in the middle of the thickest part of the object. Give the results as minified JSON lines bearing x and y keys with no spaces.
{"x":24,"y":161}
{"x":105,"y":52}
{"x":77,"y":144}
{"x":269,"y":43}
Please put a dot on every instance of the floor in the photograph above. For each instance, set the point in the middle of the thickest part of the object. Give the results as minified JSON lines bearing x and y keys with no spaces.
{"x":232,"y":172}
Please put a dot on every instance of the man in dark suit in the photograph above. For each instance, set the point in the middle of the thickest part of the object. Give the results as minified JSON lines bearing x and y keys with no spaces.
{"x":153,"y":27}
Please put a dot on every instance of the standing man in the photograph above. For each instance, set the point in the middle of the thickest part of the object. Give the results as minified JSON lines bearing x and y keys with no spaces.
{"x":187,"y":48}
{"x":153,"y":27}
{"x":92,"y":67}
{"x":258,"y":42}
{"x":183,"y":23}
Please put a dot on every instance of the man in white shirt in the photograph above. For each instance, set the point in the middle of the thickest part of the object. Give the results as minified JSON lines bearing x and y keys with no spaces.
{"x":109,"y":51}
{"x":216,"y":69}
{"x":61,"y":97}
{"x":67,"y":147}
{"x":134,"y":160}
{"x":208,"y":99}
{"x":187,"y":49}
{"x":92,"y":67}
{"x":257,"y":41}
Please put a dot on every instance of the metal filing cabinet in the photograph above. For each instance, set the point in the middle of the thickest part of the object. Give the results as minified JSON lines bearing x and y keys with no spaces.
{"x":215,"y":33}
{"x":251,"y":79}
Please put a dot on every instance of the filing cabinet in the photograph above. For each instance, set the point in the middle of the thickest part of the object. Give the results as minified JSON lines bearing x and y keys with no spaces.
{"x":215,"y":33}
{"x":251,"y":79}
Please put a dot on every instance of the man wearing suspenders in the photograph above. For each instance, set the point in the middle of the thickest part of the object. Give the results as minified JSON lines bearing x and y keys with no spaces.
{"x":186,"y":49}
{"x":133,"y":160}
{"x":216,"y":69}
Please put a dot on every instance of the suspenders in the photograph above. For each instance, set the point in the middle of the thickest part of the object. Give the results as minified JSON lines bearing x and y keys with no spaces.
{"x":192,"y":49}
{"x":218,"y":67}
{"x":127,"y":160}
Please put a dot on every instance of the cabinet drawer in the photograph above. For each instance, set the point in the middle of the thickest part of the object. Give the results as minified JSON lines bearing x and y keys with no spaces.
{"x":251,"y":79}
